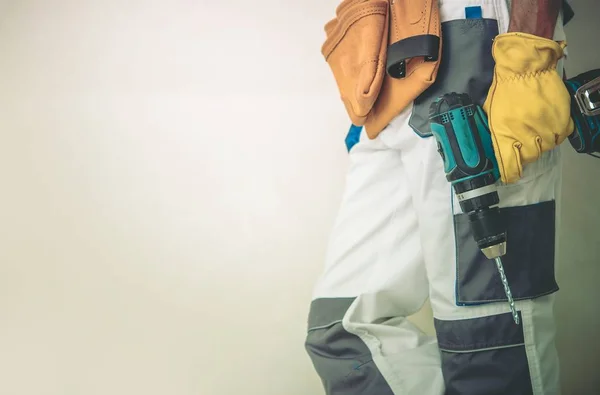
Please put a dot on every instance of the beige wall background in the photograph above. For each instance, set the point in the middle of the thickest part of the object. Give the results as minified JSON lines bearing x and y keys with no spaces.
{"x":169,"y":172}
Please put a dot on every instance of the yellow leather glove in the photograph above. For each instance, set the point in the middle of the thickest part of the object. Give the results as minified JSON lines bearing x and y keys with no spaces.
{"x":528,"y":106}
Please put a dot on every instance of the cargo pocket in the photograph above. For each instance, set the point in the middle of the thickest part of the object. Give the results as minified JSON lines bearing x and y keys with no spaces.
{"x":484,"y":356}
{"x":341,"y":359}
{"x":466,"y":66}
{"x":528,"y":263}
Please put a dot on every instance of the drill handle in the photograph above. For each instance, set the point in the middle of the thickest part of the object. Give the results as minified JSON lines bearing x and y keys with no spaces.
{"x":464,"y":139}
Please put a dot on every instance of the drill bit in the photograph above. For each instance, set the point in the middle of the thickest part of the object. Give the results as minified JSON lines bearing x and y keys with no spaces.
{"x":511,"y":302}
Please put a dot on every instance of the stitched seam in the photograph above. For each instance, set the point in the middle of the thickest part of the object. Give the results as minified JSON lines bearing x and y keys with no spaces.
{"x":395,"y":19}
{"x":314,"y":328}
{"x":357,"y":368}
{"x":346,"y":5}
{"x":482,"y":349}
{"x":475,"y":346}
{"x":340,"y":31}
{"x":369,"y":61}
{"x":436,"y":20}
{"x":423,"y":18}
{"x":315,"y":351}
{"x":520,"y":77}
{"x":554,"y":289}
{"x":360,"y":65}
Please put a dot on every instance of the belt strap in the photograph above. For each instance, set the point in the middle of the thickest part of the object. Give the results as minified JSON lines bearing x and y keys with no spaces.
{"x":537,"y":17}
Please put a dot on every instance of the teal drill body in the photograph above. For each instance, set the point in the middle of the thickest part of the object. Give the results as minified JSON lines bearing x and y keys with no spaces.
{"x":464,"y":139}
{"x":465,"y":144}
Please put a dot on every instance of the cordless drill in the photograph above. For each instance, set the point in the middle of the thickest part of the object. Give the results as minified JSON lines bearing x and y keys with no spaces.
{"x":465,"y":144}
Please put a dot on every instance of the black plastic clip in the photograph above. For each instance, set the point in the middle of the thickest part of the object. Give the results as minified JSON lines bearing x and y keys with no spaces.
{"x":426,"y":45}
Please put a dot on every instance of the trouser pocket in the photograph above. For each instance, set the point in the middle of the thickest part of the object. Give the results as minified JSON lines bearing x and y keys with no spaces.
{"x":528,"y":263}
{"x":355,"y":49}
{"x":484,"y":356}
{"x":466,"y":66}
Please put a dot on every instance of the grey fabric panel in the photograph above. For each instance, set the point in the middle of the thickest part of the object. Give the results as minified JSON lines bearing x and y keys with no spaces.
{"x":466,"y":66}
{"x":568,"y":12}
{"x":343,"y":362}
{"x":484,"y":356}
{"x":528,"y":263}
{"x":326,"y":311}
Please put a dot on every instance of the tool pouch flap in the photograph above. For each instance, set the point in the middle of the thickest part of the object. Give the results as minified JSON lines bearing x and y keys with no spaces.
{"x":355,"y":49}
{"x":412,"y":60}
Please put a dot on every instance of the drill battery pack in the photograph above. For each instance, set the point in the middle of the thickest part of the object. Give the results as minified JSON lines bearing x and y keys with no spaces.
{"x":585,"y":111}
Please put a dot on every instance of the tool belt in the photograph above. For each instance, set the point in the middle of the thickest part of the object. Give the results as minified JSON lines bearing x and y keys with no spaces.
{"x":386,"y":53}
{"x":383,"y":54}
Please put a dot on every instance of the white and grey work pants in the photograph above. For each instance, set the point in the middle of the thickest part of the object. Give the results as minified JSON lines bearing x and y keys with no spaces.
{"x":400,"y":238}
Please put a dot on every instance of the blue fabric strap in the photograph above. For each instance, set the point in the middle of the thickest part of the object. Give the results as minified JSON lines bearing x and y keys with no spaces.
{"x":473,"y":12}
{"x":353,"y":136}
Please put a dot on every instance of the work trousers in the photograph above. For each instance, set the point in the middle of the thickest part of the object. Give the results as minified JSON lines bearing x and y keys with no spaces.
{"x":400,"y":238}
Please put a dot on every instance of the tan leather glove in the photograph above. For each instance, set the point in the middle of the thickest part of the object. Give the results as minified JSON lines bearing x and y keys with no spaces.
{"x":355,"y":50}
{"x":528,"y":105}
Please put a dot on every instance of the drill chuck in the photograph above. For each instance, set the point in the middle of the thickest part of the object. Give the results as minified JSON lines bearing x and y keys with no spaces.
{"x":488,"y":230}
{"x":478,"y":197}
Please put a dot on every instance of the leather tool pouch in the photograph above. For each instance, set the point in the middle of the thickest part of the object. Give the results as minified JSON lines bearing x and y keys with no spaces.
{"x":356,"y":49}
{"x":412,"y":61}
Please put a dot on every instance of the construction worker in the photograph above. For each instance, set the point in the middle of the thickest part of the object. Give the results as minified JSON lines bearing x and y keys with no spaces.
{"x":400,"y":237}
